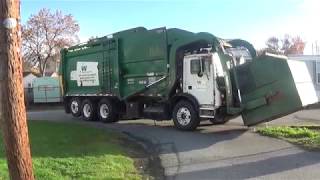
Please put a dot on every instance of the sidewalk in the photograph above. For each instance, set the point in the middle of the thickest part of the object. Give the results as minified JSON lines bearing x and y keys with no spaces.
{"x":304,"y":117}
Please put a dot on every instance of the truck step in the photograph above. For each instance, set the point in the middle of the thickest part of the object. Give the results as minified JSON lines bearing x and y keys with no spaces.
{"x":207,"y":108}
{"x":206,"y":116}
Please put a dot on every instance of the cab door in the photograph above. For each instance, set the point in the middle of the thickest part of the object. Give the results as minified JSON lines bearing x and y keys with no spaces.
{"x":198,"y":78}
{"x":272,"y":87}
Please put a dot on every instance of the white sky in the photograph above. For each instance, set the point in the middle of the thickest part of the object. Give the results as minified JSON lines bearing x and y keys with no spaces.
{"x":252,"y":20}
{"x":305,"y":23}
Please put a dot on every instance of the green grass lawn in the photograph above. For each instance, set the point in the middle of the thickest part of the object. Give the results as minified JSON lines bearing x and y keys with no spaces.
{"x":72,"y":151}
{"x":304,"y":136}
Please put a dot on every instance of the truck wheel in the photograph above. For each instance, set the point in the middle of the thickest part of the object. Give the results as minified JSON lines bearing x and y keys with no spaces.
{"x":88,"y":110}
{"x":74,"y":106}
{"x":185,"y":116}
{"x":107,"y":111}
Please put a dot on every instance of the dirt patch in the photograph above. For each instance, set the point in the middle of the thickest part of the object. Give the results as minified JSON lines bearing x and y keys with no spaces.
{"x":145,"y":155}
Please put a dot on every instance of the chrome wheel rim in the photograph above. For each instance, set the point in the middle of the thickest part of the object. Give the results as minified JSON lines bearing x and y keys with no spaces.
{"x":104,"y":111}
{"x":87,"y":110}
{"x":74,"y":107}
{"x":183,"y":116}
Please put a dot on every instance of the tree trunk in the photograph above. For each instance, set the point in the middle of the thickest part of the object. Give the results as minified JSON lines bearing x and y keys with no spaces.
{"x":12,"y":107}
{"x":40,"y":66}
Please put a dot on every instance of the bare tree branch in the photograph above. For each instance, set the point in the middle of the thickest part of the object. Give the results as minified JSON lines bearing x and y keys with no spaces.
{"x":45,"y":34}
{"x":286,"y":46}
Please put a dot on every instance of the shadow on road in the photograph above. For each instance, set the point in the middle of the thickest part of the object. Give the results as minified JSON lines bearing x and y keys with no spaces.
{"x":256,"y":169}
{"x":161,"y":134}
{"x":169,"y":139}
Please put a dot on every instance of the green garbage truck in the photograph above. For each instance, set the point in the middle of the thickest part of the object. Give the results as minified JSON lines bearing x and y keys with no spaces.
{"x":173,"y":74}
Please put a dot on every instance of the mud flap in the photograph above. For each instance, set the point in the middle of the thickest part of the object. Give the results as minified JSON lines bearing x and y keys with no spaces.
{"x":272,"y":86}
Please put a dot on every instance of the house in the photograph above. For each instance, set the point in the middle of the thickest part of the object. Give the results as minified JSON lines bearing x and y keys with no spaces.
{"x":51,"y":74}
{"x":312,"y":63}
{"x":54,"y":75}
{"x":28,"y":78}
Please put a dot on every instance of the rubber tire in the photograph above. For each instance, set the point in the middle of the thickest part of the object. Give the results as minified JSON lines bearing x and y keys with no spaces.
{"x":76,"y":99}
{"x":195,"y":120}
{"x":93,"y":107}
{"x":113,"y":114}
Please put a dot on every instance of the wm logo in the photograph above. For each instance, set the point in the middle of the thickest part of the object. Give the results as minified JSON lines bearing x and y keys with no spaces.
{"x":83,"y":68}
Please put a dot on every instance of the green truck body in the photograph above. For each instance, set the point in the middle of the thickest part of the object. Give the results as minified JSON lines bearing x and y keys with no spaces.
{"x":143,"y":69}
{"x":130,"y":60}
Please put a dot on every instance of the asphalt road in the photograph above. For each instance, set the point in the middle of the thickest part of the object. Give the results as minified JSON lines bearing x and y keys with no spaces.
{"x":229,"y":151}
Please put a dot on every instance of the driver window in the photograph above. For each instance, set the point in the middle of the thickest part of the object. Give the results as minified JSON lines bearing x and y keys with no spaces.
{"x":206,"y":63}
{"x":195,"y":67}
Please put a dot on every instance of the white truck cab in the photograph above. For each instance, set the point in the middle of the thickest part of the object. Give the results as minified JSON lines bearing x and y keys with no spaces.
{"x":200,"y":73}
{"x":199,"y":80}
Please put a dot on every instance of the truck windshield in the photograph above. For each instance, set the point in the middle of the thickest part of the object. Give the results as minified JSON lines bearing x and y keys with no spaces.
{"x":240,"y":53}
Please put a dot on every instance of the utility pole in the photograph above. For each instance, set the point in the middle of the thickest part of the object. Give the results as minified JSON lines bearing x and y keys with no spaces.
{"x":12,"y":109}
